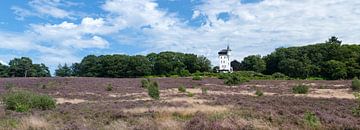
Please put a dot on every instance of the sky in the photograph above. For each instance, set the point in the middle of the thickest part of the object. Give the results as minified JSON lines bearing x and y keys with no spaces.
{"x":64,"y":31}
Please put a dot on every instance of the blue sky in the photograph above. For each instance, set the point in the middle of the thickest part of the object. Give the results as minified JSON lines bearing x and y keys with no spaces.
{"x":63,"y":31}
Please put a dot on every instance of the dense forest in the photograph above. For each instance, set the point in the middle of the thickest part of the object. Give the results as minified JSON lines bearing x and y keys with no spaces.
{"x":329,"y":60}
{"x":162,"y":64}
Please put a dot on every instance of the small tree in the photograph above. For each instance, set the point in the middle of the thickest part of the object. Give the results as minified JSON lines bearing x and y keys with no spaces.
{"x":153,"y":90}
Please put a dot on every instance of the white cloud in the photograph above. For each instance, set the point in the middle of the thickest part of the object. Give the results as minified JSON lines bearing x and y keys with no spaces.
{"x":41,"y":8}
{"x":251,"y":29}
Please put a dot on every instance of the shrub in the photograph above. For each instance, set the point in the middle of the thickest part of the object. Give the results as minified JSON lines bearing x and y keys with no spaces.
{"x":153,"y":90}
{"x":23,"y":101}
{"x":182,"y":89}
{"x":279,"y":75}
{"x":109,"y":87}
{"x":234,"y":79}
{"x":197,"y":78}
{"x":311,"y":120}
{"x":145,"y":83}
{"x":189,"y":94}
{"x":356,"y":110}
{"x":300,"y":89}
{"x":259,"y":93}
{"x":355,"y":84}
{"x":184,"y":73}
{"x":204,"y":90}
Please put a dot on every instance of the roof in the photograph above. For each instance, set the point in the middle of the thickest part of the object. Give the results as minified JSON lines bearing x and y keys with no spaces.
{"x":224,"y":51}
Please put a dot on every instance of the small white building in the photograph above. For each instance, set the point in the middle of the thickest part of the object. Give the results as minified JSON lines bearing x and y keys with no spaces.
{"x":224,"y":58}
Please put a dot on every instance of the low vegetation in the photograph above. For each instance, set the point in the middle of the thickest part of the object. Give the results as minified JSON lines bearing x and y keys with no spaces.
{"x":109,"y":87}
{"x":300,"y":89}
{"x":259,"y":93}
{"x":23,"y":101}
{"x":204,"y":90}
{"x":355,"y":84}
{"x":153,"y":89}
{"x":356,"y":109}
{"x":197,"y":78}
{"x":234,"y":79}
{"x":182,"y":89}
{"x":145,"y":83}
{"x":311,"y":120}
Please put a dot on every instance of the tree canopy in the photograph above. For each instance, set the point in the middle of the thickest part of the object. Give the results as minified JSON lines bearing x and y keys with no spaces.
{"x":24,"y":67}
{"x":163,"y":63}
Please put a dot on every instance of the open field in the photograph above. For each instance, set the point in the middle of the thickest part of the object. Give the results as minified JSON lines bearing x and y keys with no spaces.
{"x":84,"y":103}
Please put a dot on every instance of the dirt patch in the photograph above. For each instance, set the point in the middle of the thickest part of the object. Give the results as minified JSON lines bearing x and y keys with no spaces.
{"x":331,"y":93}
{"x":183,"y":110}
{"x":72,"y":101}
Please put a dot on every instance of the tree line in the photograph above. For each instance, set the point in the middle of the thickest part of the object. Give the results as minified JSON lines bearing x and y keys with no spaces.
{"x":329,"y":60}
{"x":161,"y":64}
{"x":24,"y":67}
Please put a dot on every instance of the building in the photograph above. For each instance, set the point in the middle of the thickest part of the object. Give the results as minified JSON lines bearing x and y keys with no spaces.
{"x":224,"y":58}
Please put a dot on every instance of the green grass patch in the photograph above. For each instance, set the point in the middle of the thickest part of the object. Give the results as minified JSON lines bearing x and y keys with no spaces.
{"x":300,"y":89}
{"x":182,"y":89}
{"x":311,"y":120}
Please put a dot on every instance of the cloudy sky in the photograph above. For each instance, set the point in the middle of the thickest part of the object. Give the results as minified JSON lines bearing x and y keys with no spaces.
{"x":64,"y":31}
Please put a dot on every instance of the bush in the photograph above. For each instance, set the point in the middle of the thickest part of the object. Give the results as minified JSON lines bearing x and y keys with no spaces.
{"x":355,"y":84}
{"x":184,"y":73}
{"x":145,"y":83}
{"x":189,"y":94}
{"x":356,"y":110}
{"x":153,"y":90}
{"x":234,"y":79}
{"x":259,"y":93}
{"x":279,"y":75}
{"x":109,"y":87}
{"x":23,"y":101}
{"x":197,"y":78}
{"x":311,"y":120}
{"x":300,"y":89}
{"x":182,"y":89}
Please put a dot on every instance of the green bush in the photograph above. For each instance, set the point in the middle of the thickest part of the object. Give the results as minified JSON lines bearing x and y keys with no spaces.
{"x":234,"y":79}
{"x":189,"y":94}
{"x":182,"y":89}
{"x":184,"y":73}
{"x":356,"y":110}
{"x":109,"y":87}
{"x":145,"y":83}
{"x":23,"y":101}
{"x":279,"y":75}
{"x":355,"y":84}
{"x":300,"y":89}
{"x":153,"y":90}
{"x":311,"y":120}
{"x":197,"y":78}
{"x":259,"y":93}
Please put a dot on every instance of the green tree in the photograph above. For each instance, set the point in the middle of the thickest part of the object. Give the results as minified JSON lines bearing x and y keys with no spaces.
{"x":20,"y":67}
{"x":253,"y":63}
{"x":236,"y":65}
{"x":63,"y":71}
{"x":4,"y":70}
{"x":294,"y":68}
{"x":334,"y":70}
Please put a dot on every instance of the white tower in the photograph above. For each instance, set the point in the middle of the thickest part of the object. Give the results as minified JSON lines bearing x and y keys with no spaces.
{"x":224,"y":58}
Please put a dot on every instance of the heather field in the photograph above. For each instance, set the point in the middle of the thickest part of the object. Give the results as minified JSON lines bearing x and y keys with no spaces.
{"x":121,"y":103}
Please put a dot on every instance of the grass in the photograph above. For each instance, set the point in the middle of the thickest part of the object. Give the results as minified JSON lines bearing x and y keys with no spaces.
{"x":23,"y":101}
{"x":300,"y":89}
{"x":189,"y":94}
{"x":145,"y":83}
{"x":356,"y":110}
{"x":311,"y":120}
{"x":8,"y":123}
{"x":9,"y":86}
{"x":153,"y":90}
{"x":182,"y":89}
